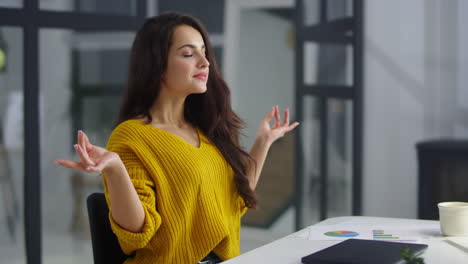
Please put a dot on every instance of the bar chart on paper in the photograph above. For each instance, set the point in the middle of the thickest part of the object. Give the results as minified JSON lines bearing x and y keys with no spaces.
{"x":380,"y":234}
{"x":396,"y":233}
{"x":366,"y":230}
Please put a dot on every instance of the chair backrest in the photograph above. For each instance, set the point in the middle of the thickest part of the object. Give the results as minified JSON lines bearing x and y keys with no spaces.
{"x":106,"y":248}
{"x":442,"y":174}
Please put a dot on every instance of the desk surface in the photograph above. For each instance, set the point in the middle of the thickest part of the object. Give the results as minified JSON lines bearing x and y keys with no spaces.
{"x":290,"y":249}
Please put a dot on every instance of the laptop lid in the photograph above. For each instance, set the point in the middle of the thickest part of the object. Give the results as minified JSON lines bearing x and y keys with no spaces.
{"x":363,"y":252}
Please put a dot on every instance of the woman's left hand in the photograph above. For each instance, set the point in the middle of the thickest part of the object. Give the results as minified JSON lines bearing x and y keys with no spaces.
{"x":271,"y":133}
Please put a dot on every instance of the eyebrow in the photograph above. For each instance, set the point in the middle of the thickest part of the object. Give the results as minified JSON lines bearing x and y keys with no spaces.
{"x":190,"y":46}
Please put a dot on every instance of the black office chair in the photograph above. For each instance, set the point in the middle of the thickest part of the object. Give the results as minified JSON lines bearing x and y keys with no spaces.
{"x":106,"y":248}
{"x":443,"y":169}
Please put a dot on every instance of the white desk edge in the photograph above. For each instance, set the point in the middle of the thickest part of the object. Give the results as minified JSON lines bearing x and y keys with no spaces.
{"x":291,"y":248}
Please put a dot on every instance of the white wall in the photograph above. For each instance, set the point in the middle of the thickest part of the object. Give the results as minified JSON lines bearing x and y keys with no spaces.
{"x":462,"y":65}
{"x":414,"y":76}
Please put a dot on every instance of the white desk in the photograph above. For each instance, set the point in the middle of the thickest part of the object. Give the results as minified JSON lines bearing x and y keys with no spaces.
{"x":290,"y":249}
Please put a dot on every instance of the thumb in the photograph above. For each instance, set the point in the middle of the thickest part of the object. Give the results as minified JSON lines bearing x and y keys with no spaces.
{"x":99,"y":166}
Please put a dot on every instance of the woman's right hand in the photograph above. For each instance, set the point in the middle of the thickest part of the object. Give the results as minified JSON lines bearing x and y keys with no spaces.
{"x":93,"y":158}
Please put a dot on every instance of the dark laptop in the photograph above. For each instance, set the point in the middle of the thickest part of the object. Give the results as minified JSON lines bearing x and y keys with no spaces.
{"x":359,"y":251}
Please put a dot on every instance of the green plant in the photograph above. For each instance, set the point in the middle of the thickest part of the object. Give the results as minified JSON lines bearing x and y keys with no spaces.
{"x":410,"y":258}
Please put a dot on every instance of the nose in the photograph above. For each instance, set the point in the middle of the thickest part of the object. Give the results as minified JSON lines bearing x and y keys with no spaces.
{"x":203,"y":62}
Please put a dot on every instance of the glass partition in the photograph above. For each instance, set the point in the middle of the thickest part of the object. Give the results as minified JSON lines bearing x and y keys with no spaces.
{"x":328,"y":64}
{"x":311,"y":138}
{"x":338,"y":9}
{"x":311,"y":12}
{"x":11,"y":3}
{"x":82,"y":75}
{"x":340,"y":159}
{"x":11,"y":145}
{"x":111,"y":7}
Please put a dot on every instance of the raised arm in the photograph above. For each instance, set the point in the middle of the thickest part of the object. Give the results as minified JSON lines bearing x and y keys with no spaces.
{"x":266,"y":135}
{"x":127,"y":210}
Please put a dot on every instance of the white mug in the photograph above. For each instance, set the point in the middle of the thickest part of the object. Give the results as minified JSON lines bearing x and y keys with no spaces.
{"x":453,"y":218}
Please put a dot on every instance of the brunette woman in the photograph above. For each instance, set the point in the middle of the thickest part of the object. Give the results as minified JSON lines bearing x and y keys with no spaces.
{"x":176,"y":179}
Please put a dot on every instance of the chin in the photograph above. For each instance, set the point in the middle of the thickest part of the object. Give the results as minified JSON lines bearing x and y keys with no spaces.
{"x":200,"y":90}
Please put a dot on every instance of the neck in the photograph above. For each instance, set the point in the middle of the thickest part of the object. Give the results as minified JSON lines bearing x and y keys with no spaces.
{"x":168,"y":111}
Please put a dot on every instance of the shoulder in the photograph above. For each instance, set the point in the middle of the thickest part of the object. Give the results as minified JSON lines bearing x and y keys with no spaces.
{"x":126,"y":132}
{"x":130,"y":124}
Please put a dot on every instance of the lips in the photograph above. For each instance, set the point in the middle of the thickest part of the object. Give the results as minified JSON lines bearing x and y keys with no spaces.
{"x":201,"y":76}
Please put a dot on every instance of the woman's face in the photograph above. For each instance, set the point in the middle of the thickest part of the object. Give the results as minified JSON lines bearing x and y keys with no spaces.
{"x":187,"y":68}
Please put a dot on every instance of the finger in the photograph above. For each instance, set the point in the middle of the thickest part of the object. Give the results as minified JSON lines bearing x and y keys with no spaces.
{"x":277,"y":117}
{"x":94,"y":169}
{"x":286,"y":117}
{"x":269,"y":116}
{"x":70,"y":164}
{"x":292,"y":126}
{"x":100,"y":166}
{"x":87,"y":144}
{"x":81,"y":140}
{"x":285,"y":129}
{"x":83,"y":156}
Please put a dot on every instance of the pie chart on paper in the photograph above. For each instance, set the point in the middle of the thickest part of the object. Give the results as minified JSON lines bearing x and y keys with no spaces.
{"x":341,"y":234}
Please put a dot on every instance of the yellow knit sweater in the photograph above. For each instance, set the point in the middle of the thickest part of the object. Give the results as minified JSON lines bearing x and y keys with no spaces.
{"x":189,"y":196}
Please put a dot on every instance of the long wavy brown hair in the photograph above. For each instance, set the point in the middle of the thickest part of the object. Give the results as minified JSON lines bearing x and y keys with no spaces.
{"x":211,"y":111}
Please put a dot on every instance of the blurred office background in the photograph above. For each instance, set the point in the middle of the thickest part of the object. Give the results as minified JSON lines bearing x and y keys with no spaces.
{"x":368,"y":81}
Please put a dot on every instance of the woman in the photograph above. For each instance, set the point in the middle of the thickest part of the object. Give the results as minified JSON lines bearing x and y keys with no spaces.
{"x":176,"y":180}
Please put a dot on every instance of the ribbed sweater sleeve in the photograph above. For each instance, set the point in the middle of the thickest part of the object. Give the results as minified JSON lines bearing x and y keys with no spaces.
{"x":145,"y":188}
